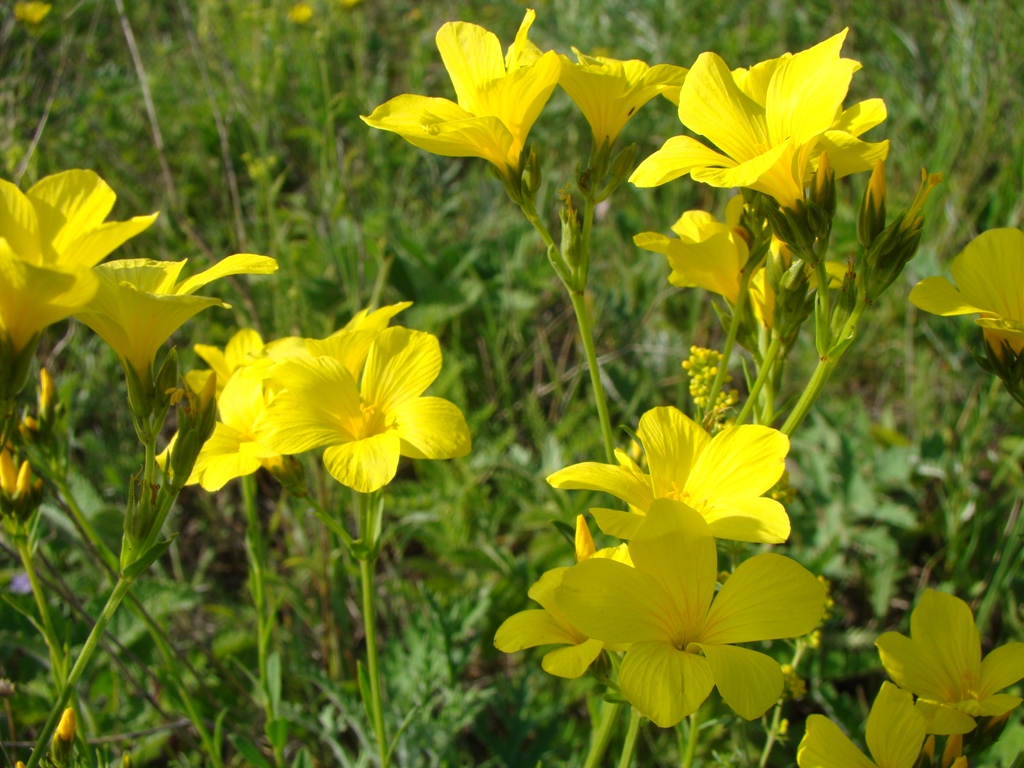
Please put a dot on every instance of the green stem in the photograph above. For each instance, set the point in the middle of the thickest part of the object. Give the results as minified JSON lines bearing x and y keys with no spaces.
{"x":1010,"y":554}
{"x":823,"y":305}
{"x":257,"y":586}
{"x":369,"y":526}
{"x":773,"y":731}
{"x":57,"y":662}
{"x":579,"y":305}
{"x":691,"y":743}
{"x":171,"y":663}
{"x":602,"y":735}
{"x":762,"y":376}
{"x":629,"y":745}
{"x":91,"y":643}
{"x":730,"y":341}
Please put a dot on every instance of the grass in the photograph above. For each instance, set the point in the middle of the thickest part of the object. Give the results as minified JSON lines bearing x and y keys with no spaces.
{"x":906,"y":475}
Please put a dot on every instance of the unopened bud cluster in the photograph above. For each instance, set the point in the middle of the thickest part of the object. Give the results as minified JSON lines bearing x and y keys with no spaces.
{"x":702,"y":366}
{"x":20,"y":494}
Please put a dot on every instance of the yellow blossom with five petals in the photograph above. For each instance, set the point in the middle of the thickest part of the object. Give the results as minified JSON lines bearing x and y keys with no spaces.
{"x":941,"y":663}
{"x":683,"y":636}
{"x":722,"y":477}
{"x":895,"y":733}
{"x":499,"y":98}
{"x":769,"y":124}
{"x":365,"y":425}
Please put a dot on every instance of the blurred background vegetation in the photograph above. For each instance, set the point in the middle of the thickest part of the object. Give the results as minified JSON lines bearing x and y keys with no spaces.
{"x":241,"y":125}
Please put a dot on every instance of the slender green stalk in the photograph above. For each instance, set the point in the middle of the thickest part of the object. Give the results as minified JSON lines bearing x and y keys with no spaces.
{"x":257,"y":586}
{"x":1010,"y":555}
{"x":730,"y":342}
{"x":822,"y":298}
{"x":579,"y":305}
{"x":57,"y":661}
{"x":773,"y":730}
{"x":763,"y":374}
{"x":574,"y":281}
{"x":602,"y":735}
{"x":91,"y":643}
{"x":629,"y":745}
{"x":369,"y":527}
{"x":693,"y":738}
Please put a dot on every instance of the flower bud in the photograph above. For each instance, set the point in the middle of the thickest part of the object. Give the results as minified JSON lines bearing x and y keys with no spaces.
{"x":531,"y":176}
{"x":871,"y":219}
{"x":823,"y":189}
{"x":622,"y":166}
{"x":288,"y":471}
{"x":197,"y":416}
{"x":63,"y":739}
{"x":585,"y":548}
{"x":15,"y":365}
{"x":572,"y":240}
{"x":8,"y":474}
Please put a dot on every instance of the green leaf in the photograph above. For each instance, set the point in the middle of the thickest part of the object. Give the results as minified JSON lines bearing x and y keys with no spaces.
{"x":249,"y":751}
{"x":146,"y":559}
{"x":277,"y":732}
{"x":274,"y":682}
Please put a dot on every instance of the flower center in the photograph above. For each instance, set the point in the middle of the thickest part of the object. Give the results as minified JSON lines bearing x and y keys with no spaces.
{"x":373,"y":423}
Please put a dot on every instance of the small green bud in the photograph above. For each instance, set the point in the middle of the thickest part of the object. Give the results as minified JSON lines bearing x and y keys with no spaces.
{"x":531,"y":175}
{"x":622,"y":166}
{"x":871,"y":219}
{"x":197,"y":417}
{"x":15,"y":365}
{"x":823,"y":189}
{"x":572,"y":240}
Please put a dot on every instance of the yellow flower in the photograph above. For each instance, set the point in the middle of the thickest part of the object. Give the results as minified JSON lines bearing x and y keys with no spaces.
{"x":708,"y":254}
{"x":140,"y":303}
{"x":59,"y":221}
{"x":31,"y":13}
{"x":721,"y":477}
{"x":609,"y":92}
{"x":499,"y":98}
{"x":895,"y":733}
{"x":300,"y":13}
{"x":941,"y":663}
{"x":682,"y":641}
{"x":241,"y":350}
{"x":770,"y":124}
{"x":989,"y":276}
{"x":367,"y":425}
{"x":233,"y":451}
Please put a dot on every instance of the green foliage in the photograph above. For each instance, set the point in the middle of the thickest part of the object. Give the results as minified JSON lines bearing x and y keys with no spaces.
{"x":907,"y":476}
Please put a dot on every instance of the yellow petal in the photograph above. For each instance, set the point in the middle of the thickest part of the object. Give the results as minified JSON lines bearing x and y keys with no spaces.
{"x":400,"y":366}
{"x":612,"y":602}
{"x":895,"y":730}
{"x":990,"y":272}
{"x":1003,"y":667}
{"x":938,"y":296}
{"x":19,"y":225}
{"x":672,"y":441}
{"x":350,"y":348}
{"x":825,"y":746}
{"x":807,"y":92}
{"x":444,"y":128}
{"x":739,"y":463}
{"x":519,"y":98}
{"x":221,"y":460}
{"x":624,"y":483}
{"x":33,"y":297}
{"x":238,"y":264}
{"x":317,"y":406}
{"x":675,"y":546}
{"x":861,"y":117}
{"x":473,"y":58}
{"x":92,"y":247}
{"x":664,"y":683}
{"x":712,"y":105}
{"x":943,"y":719}
{"x":749,"y":682}
{"x":242,"y":400}
{"x":942,"y":626}
{"x":622,"y":525}
{"x":766,"y":598}
{"x":572,"y":662}
{"x":376,"y":320}
{"x":677,"y":157}
{"x":528,"y":629}
{"x":847,"y":154}
{"x":431,"y":428}
{"x":760,"y":520}
{"x":365,"y":465}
